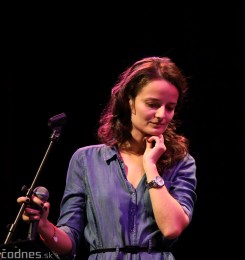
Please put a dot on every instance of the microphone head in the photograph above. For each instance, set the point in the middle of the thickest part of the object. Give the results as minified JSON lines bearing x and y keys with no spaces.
{"x":57,"y":121}
{"x":42,"y":193}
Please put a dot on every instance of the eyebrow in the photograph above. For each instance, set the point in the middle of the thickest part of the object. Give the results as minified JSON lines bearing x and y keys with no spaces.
{"x":157,"y":100}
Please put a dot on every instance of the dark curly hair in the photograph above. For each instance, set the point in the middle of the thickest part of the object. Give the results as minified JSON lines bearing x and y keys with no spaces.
{"x":115,"y":121}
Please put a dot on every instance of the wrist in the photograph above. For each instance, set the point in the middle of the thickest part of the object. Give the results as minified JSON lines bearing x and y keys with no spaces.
{"x":48,"y":233}
{"x":44,"y":224}
{"x":157,"y":182}
{"x":151,"y":171}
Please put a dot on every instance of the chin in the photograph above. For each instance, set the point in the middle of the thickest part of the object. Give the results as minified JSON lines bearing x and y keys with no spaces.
{"x":155,"y":132}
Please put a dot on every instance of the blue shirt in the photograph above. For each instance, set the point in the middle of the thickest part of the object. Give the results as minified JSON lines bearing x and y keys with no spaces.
{"x":102,"y":207}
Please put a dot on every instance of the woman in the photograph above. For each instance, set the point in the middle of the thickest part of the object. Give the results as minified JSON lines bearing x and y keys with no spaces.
{"x":133,"y":194}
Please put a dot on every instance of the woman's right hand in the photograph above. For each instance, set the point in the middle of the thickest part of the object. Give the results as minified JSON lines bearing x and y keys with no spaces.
{"x":35,"y":209}
{"x":53,"y":237}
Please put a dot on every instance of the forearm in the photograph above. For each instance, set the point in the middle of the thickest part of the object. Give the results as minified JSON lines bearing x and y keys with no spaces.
{"x":169,"y":214}
{"x":55,"y":239}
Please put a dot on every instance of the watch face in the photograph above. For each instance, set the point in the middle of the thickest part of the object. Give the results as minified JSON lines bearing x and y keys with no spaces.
{"x":158,"y":182}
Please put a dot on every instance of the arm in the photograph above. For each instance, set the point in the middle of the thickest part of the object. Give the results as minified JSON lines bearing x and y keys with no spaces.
{"x":65,"y":236}
{"x":169,"y":213}
{"x":54,"y":238}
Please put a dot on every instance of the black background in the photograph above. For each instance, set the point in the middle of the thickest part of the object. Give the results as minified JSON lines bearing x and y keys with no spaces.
{"x":66,"y":57}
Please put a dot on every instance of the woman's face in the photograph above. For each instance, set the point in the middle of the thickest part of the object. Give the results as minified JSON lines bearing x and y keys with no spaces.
{"x":153,"y":108}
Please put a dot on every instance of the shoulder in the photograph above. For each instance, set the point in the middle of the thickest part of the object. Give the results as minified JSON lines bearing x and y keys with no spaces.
{"x":189,"y":159}
{"x":98,"y":150}
{"x":186,"y":166}
{"x":188,"y":163}
{"x":90,"y":148}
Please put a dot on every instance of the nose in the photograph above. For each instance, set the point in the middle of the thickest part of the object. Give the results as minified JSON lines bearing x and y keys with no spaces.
{"x":160,"y":112}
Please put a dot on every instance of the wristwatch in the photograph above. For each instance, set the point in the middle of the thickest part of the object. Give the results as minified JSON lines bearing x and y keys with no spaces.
{"x":158,"y":182}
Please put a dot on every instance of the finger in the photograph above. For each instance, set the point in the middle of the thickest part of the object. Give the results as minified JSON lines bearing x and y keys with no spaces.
{"x":30,"y":211}
{"x":151,"y":141}
{"x":28,"y":219}
{"x":23,"y":199}
{"x":30,"y":214}
{"x":25,"y":218}
{"x":37,"y":201}
{"x":161,"y":137}
{"x":35,"y":217}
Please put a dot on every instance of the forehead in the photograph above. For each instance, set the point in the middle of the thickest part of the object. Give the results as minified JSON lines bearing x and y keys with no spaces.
{"x":159,"y":89}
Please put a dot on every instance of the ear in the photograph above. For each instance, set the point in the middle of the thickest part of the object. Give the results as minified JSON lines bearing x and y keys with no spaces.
{"x":131,"y":104}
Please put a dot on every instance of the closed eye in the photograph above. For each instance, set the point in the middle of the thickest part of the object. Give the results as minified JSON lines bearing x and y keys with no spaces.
{"x":170,"y":108}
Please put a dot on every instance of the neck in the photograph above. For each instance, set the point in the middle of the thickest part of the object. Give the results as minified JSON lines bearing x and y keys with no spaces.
{"x":132,"y":147}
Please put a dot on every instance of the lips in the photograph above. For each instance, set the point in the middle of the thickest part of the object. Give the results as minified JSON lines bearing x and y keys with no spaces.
{"x":157,"y":123}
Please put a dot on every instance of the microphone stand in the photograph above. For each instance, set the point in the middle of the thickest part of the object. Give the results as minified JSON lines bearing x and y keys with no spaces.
{"x":56,"y":123}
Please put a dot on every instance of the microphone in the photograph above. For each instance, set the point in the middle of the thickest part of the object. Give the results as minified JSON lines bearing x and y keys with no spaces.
{"x":57,"y":121}
{"x":43,"y":194}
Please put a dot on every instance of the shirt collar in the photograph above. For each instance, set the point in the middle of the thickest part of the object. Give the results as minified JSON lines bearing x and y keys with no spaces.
{"x":110,"y":152}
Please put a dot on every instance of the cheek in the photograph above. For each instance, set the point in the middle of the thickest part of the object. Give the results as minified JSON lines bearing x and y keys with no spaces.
{"x":170,"y":116}
{"x":141,"y":116}
{"x":146,"y":114}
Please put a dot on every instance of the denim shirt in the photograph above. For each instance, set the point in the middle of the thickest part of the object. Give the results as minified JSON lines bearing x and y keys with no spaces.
{"x":102,"y":207}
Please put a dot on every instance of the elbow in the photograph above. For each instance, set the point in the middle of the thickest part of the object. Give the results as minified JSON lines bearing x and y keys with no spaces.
{"x":174,"y":230}
{"x":172,"y":233}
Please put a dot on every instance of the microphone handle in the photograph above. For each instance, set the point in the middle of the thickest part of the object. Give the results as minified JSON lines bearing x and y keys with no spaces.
{"x":32,"y":231}
{"x":43,"y":194}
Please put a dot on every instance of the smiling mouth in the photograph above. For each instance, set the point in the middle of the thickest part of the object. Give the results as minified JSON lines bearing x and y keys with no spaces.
{"x":156,"y":123}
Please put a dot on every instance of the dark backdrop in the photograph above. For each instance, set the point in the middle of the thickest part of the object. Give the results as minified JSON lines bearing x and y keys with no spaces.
{"x":59,"y":58}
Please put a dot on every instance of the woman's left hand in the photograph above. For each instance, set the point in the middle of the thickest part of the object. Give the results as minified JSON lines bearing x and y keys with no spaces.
{"x":155,"y":147}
